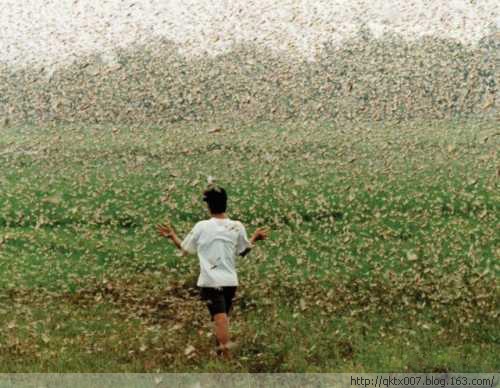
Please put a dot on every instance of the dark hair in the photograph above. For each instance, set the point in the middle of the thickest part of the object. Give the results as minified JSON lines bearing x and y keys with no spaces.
{"x":216,"y":198}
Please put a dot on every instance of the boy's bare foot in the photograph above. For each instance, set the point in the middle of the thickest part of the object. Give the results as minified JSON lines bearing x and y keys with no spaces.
{"x":224,"y":352}
{"x":218,"y":349}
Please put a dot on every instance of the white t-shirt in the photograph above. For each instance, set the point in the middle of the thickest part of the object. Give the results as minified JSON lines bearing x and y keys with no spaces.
{"x":217,"y":242}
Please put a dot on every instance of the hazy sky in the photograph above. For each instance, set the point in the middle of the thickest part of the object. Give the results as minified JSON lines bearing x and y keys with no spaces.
{"x":51,"y":31}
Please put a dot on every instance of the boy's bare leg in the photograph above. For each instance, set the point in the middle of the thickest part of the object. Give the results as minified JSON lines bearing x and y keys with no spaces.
{"x":221,"y":322}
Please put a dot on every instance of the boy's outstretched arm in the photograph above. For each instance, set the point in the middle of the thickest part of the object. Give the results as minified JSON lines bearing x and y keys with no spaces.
{"x":167,"y":231}
{"x":259,"y":234}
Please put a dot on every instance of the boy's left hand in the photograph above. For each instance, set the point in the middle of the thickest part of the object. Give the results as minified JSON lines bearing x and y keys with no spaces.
{"x":165,"y":230}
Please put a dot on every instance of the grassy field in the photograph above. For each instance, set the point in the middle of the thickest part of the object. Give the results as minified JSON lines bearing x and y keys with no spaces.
{"x":383,"y":254}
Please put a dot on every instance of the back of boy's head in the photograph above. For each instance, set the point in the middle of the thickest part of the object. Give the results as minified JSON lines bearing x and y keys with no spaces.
{"x":216,"y":198}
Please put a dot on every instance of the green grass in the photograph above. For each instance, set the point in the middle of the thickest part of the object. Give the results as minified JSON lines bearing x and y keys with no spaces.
{"x":383,"y":254}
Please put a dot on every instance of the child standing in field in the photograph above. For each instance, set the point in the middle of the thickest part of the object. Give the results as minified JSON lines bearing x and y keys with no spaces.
{"x":217,"y":242}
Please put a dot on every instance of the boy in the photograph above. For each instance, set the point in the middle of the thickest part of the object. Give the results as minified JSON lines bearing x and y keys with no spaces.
{"x":216,"y":241}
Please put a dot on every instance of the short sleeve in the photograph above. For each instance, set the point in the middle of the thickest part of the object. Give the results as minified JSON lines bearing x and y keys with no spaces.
{"x":243,"y":244}
{"x":190,"y":242}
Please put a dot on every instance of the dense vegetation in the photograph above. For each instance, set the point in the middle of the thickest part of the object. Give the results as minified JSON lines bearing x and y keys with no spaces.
{"x":383,"y":254}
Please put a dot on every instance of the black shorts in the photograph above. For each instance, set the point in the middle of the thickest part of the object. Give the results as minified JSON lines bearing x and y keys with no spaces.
{"x":218,"y":300}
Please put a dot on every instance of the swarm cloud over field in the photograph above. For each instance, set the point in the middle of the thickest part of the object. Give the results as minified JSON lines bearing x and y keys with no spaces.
{"x":162,"y":62}
{"x":60,"y":30}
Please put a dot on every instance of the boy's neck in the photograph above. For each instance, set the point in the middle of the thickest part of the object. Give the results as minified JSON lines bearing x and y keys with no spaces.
{"x":219,"y":215}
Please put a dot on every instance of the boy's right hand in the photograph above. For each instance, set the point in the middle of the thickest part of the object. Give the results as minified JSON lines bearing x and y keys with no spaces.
{"x":260,"y":234}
